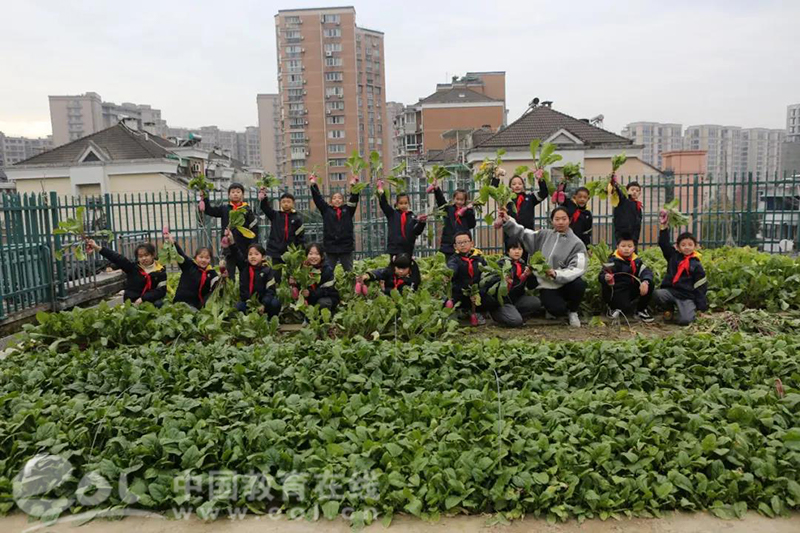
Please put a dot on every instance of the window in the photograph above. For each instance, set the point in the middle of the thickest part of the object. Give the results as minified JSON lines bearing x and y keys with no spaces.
{"x":336,"y":134}
{"x":298,"y":163}
{"x":298,"y":150}
{"x":293,"y":93}
{"x":332,"y":32}
{"x":333,"y":61}
{"x":292,"y":20}
{"x":292,"y":34}
{"x":336,"y":148}
{"x":338,"y":176}
{"x":334,"y":91}
{"x":337,"y":119}
{"x":295,"y":107}
{"x":336,"y":162}
{"x":331,"y":19}
{"x":332,"y":47}
{"x":294,"y":65}
{"x":334,"y":76}
{"x":298,"y":136}
{"x":293,"y":49}
{"x":296,"y":122}
{"x":335,"y":106}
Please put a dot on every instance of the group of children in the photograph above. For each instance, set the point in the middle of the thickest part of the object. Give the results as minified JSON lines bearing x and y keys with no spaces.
{"x":627,"y":283}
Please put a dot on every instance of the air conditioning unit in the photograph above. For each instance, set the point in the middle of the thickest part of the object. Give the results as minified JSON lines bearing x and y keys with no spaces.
{"x":305,"y":112}
{"x":305,"y":93}
{"x":338,"y":23}
{"x":308,"y":153}
{"x":306,"y":123}
{"x":327,"y":96}
{"x":328,"y":54}
{"x":305,"y":81}
{"x":302,"y":50}
{"x":329,"y":111}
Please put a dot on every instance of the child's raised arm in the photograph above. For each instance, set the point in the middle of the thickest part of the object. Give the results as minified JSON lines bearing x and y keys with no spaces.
{"x":316,"y":195}
{"x":665,"y":243}
{"x":384,"y":203}
{"x":266,"y":204}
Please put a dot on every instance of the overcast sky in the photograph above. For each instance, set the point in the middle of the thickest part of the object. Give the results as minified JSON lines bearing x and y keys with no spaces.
{"x":202,"y":62}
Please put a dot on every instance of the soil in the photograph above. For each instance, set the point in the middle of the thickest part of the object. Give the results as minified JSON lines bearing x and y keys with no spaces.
{"x":557,"y":330}
{"x":670,"y":523}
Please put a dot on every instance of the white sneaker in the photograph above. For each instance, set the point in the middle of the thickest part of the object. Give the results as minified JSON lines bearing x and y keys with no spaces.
{"x":574,"y":320}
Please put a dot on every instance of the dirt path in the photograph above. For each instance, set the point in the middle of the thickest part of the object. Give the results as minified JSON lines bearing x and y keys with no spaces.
{"x":674,"y":523}
{"x":551,"y":330}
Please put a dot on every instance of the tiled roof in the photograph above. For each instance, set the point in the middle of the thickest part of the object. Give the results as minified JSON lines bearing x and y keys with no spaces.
{"x":117,"y":142}
{"x":456,"y":96}
{"x":541,"y":123}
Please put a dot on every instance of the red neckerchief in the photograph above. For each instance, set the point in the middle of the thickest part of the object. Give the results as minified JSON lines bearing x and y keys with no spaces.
{"x":403,"y":216}
{"x":638,"y":205}
{"x":252,"y":278}
{"x":398,"y":282}
{"x":631,"y":260}
{"x":683,"y":266}
{"x":518,"y":269}
{"x":470,"y":269}
{"x":576,"y":215}
{"x":313,"y":286}
{"x":148,"y":282}
{"x":458,"y":218}
{"x":520,"y":200}
{"x":286,"y":227}
{"x":203,"y":276}
{"x":338,"y":213}
{"x":236,"y":206}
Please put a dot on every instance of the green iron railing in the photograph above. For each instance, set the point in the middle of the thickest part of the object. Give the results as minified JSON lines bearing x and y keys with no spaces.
{"x":742,"y":210}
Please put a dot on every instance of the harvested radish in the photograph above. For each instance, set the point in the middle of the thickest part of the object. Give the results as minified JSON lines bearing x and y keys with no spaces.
{"x":473,"y":319}
{"x":449,"y":304}
{"x":295,"y":293}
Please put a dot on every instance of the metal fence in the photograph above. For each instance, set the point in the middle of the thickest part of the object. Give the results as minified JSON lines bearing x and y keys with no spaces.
{"x":742,"y":210}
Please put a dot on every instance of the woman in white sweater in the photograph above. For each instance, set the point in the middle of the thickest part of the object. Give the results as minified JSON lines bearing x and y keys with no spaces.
{"x":562,"y":289}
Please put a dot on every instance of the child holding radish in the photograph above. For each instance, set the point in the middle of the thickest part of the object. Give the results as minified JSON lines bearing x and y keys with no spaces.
{"x":322,"y":290}
{"x":466,"y":288}
{"x":337,"y":224}
{"x":521,"y":207}
{"x":626,"y":282}
{"x":146,"y":279}
{"x":685,"y":285}
{"x":401,"y":274}
{"x":628,"y":212}
{"x":404,"y":227}
{"x":197,"y":279}
{"x":518,"y":305}
{"x":242,"y":237}
{"x":286,"y":226}
{"x":256,"y":277}
{"x":579,"y":216}
{"x":459,"y":216}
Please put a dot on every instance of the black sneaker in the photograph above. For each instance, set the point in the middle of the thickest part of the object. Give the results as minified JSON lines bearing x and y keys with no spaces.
{"x":645,"y":316}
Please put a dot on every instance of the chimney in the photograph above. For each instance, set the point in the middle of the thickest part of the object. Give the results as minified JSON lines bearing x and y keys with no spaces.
{"x":130,"y":123}
{"x":150,"y":127}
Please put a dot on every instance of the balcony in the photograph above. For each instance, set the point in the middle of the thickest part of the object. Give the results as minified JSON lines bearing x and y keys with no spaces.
{"x":297,"y":83}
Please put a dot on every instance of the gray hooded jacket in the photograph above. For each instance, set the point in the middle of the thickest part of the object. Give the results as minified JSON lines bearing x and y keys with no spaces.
{"x":565,"y":252}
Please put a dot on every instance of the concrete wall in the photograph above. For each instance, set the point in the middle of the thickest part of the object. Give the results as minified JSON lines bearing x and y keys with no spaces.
{"x":685,"y":161}
{"x":436,"y":121}
{"x":61,"y":186}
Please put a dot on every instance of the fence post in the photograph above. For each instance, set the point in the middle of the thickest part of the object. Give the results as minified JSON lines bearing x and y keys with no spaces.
{"x":60,"y":276}
{"x":749,"y":214}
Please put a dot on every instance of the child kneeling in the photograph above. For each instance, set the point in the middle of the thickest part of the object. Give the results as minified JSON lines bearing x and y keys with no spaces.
{"x":685,"y":284}
{"x":518,"y":305}
{"x":256,"y":278}
{"x":626,"y":282}
{"x":322,"y":291}
{"x":466,"y":266}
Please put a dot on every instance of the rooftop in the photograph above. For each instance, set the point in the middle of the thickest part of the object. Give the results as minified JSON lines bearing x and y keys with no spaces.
{"x":118,"y":143}
{"x":456,"y":96}
{"x":542,"y":123}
